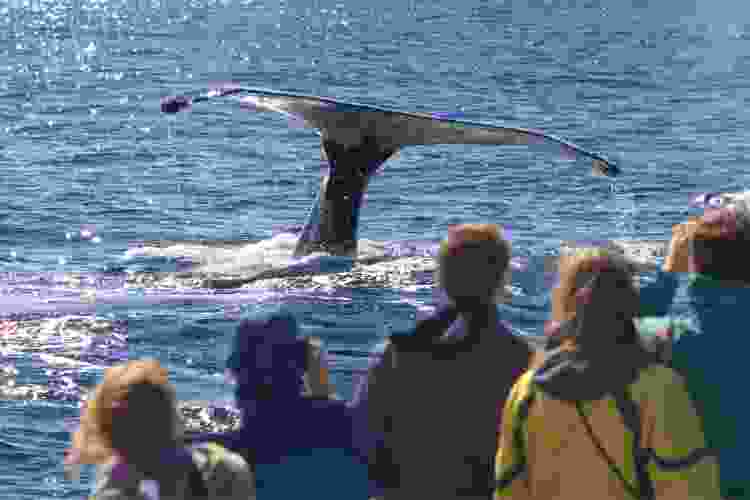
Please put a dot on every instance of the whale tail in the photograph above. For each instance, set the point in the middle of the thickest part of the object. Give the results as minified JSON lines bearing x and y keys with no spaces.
{"x":334,"y":218}
{"x":358,"y":140}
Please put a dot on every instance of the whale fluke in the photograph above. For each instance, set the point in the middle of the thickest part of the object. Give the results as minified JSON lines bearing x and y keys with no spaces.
{"x":358,"y":139}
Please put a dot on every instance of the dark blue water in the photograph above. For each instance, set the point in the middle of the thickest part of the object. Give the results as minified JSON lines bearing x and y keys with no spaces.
{"x":660,"y":87}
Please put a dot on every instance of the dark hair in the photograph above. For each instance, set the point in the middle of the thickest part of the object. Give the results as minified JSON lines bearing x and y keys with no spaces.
{"x":722,"y":258}
{"x":476,"y":257}
{"x":721,"y":254}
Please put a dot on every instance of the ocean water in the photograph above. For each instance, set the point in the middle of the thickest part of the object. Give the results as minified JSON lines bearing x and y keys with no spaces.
{"x":658,"y":87}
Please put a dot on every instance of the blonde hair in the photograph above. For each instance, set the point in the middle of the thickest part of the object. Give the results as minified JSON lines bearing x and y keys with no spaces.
{"x":574,"y":271}
{"x":93,"y":439}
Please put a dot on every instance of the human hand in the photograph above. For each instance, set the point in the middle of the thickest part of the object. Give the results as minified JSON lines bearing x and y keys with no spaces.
{"x":678,"y":254}
{"x":716,"y":223}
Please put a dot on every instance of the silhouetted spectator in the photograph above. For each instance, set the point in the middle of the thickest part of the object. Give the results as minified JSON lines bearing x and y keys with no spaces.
{"x":298,"y":439}
{"x":432,"y":397}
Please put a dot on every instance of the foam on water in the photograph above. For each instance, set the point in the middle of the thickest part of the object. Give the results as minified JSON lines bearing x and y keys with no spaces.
{"x":250,"y":257}
{"x":65,"y":349}
{"x":256,"y":257}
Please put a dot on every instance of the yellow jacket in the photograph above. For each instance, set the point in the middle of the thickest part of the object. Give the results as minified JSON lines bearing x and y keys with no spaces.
{"x":549,"y":454}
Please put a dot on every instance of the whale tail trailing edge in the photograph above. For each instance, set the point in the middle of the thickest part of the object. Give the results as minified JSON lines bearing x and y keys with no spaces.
{"x":349,"y":124}
{"x":358,"y":140}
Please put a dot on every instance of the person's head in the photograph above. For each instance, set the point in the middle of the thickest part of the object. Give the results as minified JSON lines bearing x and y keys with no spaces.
{"x":719,"y":243}
{"x":271,"y":361}
{"x":596,"y":289}
{"x":131,"y":413}
{"x":474,"y":263}
{"x":596,"y":347}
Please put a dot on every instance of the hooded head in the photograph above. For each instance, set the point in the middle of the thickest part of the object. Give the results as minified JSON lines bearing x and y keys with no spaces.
{"x":282,"y":391}
{"x":268,"y":360}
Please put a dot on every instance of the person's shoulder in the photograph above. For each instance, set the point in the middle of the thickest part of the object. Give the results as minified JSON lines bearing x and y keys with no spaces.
{"x":114,"y":482}
{"x":211,"y":456}
{"x":657,"y":378}
{"x":225,"y":472}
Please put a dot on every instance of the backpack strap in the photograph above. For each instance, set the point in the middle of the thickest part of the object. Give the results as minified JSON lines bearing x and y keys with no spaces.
{"x":631,"y":415}
{"x":634,"y":492}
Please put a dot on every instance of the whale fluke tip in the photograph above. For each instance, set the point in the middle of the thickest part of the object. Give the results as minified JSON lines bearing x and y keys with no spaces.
{"x":175,"y":104}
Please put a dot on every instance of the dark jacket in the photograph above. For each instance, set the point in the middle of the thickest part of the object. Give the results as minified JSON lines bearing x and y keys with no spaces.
{"x":299,"y":447}
{"x":432,"y":406}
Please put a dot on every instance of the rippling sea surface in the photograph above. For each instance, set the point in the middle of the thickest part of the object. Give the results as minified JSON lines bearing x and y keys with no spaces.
{"x":89,"y":166}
